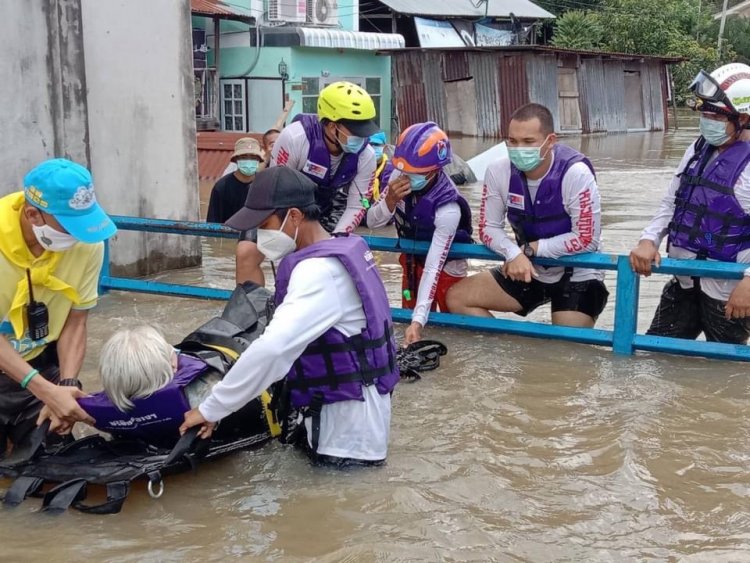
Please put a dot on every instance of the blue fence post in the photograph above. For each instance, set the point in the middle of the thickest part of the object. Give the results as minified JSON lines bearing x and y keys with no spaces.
{"x":104,"y":273}
{"x":626,"y":307}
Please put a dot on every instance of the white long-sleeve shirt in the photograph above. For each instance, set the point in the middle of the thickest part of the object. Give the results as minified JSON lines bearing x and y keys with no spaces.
{"x":657,"y":229}
{"x":447,"y":218}
{"x":291,"y":149}
{"x":581,"y":201}
{"x":321,"y":294}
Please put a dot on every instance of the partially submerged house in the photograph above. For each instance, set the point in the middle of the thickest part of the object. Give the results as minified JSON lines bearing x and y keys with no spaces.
{"x":474,"y":90}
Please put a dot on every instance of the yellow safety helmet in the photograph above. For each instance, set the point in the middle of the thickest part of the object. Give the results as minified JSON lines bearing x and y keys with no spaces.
{"x":350,"y":105}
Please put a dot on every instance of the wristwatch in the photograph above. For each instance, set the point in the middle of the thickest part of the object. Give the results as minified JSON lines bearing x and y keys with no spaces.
{"x":70,"y":382}
{"x":528,"y":251}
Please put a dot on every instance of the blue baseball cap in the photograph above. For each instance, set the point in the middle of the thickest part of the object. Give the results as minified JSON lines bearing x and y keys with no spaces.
{"x":378,"y":138}
{"x":64,"y":190}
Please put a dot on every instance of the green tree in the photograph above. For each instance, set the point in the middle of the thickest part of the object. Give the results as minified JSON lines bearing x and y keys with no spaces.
{"x":737,"y":37}
{"x":578,"y":29}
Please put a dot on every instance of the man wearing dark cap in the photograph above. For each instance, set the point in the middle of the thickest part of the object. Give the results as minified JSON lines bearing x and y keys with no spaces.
{"x":331,"y":334}
{"x":331,"y":149}
{"x":51,"y":252}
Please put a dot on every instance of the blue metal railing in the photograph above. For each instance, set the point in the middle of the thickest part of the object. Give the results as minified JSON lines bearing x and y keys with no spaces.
{"x":624,"y":339}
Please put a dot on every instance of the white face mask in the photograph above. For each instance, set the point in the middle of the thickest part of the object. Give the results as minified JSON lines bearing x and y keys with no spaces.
{"x":52,"y":239}
{"x":277,"y":244}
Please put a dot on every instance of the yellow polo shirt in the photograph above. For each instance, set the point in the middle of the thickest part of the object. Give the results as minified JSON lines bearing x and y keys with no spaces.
{"x":79,"y":267}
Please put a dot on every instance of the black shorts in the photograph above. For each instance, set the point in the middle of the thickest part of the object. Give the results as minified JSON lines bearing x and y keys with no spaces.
{"x":18,"y":407}
{"x":251,"y":235}
{"x":588,"y":297}
{"x":685,"y":313}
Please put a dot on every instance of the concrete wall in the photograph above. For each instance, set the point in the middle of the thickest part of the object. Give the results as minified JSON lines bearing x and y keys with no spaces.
{"x":101,"y":84}
{"x":43,"y":87}
{"x":142,"y":127}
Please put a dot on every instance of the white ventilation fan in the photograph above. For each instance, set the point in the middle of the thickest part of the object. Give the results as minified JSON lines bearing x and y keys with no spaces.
{"x":322,"y":12}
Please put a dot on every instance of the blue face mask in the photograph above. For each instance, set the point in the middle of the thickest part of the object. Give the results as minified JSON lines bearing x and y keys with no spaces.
{"x":248,"y":167}
{"x":353,"y":144}
{"x":378,"y":152}
{"x":417,"y":181}
{"x":715,"y":132}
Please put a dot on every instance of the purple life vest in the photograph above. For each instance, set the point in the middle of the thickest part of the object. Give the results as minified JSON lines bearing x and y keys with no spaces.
{"x":708,"y":219}
{"x":334,"y":367}
{"x":417,"y":220}
{"x":544,"y":216}
{"x":318,"y":166}
{"x":152,"y":418}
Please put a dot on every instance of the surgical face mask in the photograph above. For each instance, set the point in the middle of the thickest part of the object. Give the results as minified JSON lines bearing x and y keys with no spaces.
{"x":248,"y":167}
{"x":417,"y":181}
{"x":378,"y":151}
{"x":277,"y":244}
{"x":52,"y":239}
{"x":526,"y":158}
{"x":353,"y":144}
{"x":715,"y":132}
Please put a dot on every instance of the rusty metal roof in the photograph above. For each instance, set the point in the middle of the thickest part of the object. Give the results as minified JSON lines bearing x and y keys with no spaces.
{"x":542,"y":49}
{"x":220,"y":9}
{"x":468,"y":9}
{"x":215,"y":150}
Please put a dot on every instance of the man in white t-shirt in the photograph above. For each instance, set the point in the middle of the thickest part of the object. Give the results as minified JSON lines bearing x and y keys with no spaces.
{"x":705,"y":215}
{"x":331,"y":149}
{"x":331,"y":335}
{"x":548,"y":193}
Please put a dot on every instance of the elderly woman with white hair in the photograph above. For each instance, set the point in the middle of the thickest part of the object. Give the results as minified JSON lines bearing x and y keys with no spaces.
{"x":148,"y":384}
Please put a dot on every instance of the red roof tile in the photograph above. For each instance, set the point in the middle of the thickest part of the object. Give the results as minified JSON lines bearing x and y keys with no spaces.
{"x":215,"y":150}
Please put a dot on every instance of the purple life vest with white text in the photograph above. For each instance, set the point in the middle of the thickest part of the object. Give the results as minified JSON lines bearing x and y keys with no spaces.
{"x":335,"y":367}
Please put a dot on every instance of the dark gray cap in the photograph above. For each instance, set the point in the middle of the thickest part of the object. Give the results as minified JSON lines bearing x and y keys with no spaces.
{"x":273,"y":188}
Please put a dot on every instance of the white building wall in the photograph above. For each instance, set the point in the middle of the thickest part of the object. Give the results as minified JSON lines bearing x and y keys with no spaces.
{"x":107,"y":83}
{"x":141,"y":122}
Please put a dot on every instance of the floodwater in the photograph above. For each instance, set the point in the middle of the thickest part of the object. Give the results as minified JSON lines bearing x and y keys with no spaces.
{"x":514,"y":450}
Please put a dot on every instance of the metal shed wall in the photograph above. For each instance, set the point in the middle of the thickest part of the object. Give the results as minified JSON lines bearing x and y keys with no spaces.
{"x":484,"y":70}
{"x":656,"y":96}
{"x":615,"y":119}
{"x":593,"y":95}
{"x":541,"y":71}
{"x":503,"y":81}
{"x":513,"y":86}
{"x":408,"y":90}
{"x":434,"y":87}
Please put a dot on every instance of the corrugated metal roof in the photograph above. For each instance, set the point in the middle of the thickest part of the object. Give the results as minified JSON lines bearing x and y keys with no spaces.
{"x":215,"y":149}
{"x":466,"y":8}
{"x":546,"y":49}
{"x":341,"y":39}
{"x":218,"y":8}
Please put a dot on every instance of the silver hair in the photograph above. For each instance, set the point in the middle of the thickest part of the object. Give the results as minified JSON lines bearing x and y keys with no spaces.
{"x":135,"y":363}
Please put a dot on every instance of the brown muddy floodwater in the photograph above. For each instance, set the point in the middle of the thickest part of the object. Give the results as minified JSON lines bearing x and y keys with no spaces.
{"x":514,"y":450}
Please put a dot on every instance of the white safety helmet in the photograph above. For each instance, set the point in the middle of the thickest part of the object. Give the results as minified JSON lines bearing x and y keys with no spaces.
{"x":726,"y":90}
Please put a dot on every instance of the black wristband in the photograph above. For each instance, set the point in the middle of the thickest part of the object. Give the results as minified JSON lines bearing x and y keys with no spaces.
{"x":70,"y":382}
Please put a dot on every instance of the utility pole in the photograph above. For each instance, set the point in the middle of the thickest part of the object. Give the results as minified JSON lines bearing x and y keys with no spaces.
{"x":721,"y":26}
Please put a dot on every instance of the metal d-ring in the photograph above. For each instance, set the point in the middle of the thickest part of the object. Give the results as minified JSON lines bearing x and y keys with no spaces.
{"x":159,"y":492}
